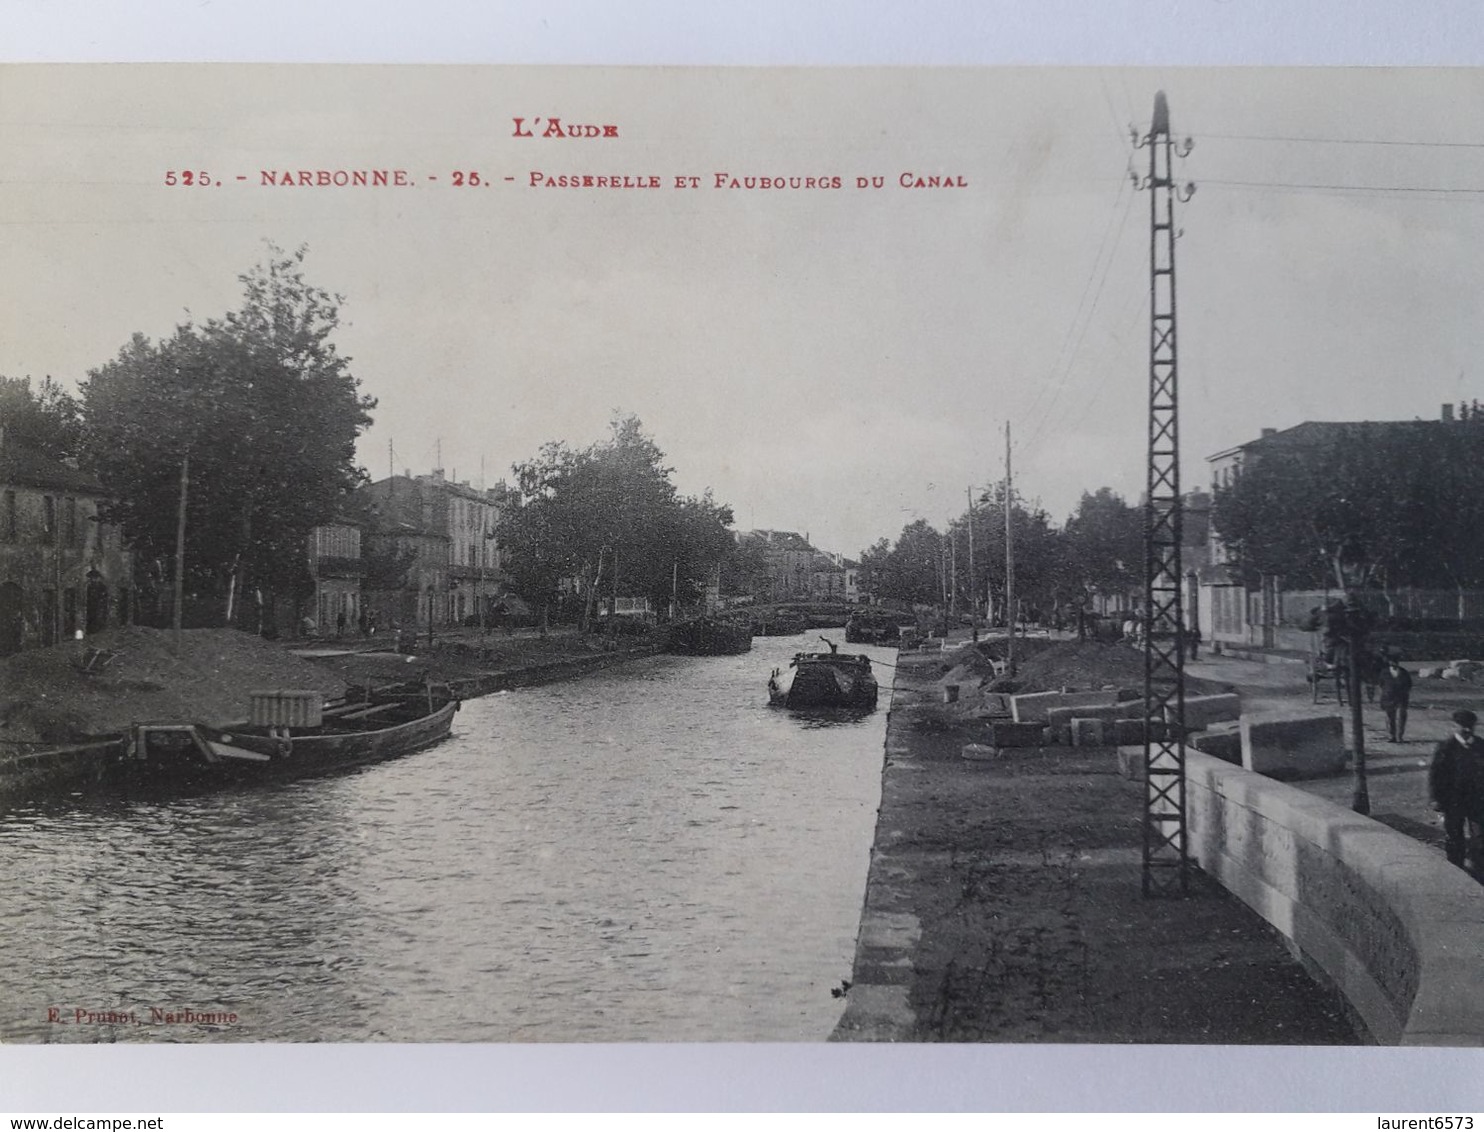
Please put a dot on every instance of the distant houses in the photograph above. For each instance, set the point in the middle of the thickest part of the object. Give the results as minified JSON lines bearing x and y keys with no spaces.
{"x":796,"y":570}
{"x":430,"y":551}
{"x":1266,"y":611}
{"x":62,"y":571}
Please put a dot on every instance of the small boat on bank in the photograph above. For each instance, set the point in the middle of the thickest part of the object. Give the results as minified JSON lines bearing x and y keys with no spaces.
{"x":292,"y":734}
{"x":778,"y":623}
{"x":709,"y":636}
{"x":873,"y":627}
{"x":824,"y":680}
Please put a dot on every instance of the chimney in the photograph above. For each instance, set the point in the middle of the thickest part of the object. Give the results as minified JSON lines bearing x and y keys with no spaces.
{"x":1447,"y":410}
{"x":1267,"y":432}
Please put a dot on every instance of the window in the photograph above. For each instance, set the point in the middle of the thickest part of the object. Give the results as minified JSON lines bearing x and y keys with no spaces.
{"x":48,"y":617}
{"x":49,"y":519}
{"x":69,"y":613}
{"x":9,"y":516}
{"x":71,"y":516}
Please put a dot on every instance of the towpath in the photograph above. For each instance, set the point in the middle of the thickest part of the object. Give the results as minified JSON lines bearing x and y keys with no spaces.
{"x":1004,"y":905}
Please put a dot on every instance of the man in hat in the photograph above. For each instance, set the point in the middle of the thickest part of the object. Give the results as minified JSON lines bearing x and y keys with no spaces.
{"x":1456,"y":782}
{"x":1396,"y":694}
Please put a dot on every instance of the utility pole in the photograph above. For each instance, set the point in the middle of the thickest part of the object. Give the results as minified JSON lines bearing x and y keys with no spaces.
{"x":180,"y":528}
{"x":1166,"y":859}
{"x":973,"y":599}
{"x":952,"y":573}
{"x":1009,"y":562}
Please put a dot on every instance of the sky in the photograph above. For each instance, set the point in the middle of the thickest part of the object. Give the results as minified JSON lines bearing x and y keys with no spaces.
{"x":838,"y":362}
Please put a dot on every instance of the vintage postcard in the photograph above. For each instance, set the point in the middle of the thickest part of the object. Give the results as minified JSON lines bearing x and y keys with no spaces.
{"x":556,"y":554}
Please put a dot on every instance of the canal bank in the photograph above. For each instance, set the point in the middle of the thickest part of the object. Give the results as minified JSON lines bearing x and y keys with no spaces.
{"x":1003,"y":904}
{"x":646,"y":853}
{"x":54,"y":706}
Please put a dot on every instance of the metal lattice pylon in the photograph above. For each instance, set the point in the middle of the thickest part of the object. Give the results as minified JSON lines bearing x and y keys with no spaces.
{"x":1166,"y":859}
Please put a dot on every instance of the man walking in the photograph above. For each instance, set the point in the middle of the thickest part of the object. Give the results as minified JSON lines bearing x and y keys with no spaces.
{"x":1456,"y":782}
{"x":1396,"y":694}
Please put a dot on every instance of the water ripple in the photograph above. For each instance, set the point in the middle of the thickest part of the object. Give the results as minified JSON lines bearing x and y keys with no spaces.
{"x":649,"y":853}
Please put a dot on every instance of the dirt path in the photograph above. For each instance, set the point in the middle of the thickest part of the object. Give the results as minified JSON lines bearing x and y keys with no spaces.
{"x":1004,"y":904}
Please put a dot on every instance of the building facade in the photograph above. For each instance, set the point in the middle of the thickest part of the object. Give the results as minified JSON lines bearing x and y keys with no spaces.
{"x":446,"y":530}
{"x":62,"y":571}
{"x":1239,"y":611}
{"x":799,"y":571}
{"x":335,"y":565}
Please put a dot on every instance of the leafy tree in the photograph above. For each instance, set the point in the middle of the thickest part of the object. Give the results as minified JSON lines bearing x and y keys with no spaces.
{"x":46,"y":420}
{"x":1038,"y":553}
{"x":1399,"y":504}
{"x":1104,"y":544}
{"x":266,"y":412}
{"x":912,"y":572}
{"x":744,"y":570}
{"x":386,"y":566}
{"x":873,"y":568}
{"x":609,"y":511}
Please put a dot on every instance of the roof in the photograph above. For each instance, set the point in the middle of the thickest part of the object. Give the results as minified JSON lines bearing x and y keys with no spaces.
{"x":23,"y":467}
{"x":1310,"y":434}
{"x":779,"y":540}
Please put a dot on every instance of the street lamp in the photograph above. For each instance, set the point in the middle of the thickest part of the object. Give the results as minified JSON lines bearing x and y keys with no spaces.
{"x":1354,"y":629}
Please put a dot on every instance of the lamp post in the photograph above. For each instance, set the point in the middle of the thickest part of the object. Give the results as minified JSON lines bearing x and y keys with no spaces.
{"x":1355,"y":638}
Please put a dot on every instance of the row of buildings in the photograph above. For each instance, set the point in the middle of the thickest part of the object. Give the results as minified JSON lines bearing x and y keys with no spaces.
{"x":418,"y":551}
{"x":1228,"y":610}
{"x":795,"y":570}
{"x":412,"y":552}
{"x":421,"y":551}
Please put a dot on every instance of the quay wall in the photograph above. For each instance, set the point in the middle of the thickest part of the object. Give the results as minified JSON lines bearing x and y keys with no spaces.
{"x":547,"y":672}
{"x":1385,"y":919}
{"x":59,"y":769}
{"x":55,"y":768}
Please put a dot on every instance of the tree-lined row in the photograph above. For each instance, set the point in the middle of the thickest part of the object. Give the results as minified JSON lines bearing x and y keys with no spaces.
{"x":254,"y":417}
{"x":594,"y":523}
{"x":1098,"y":550}
{"x":1394,"y":504}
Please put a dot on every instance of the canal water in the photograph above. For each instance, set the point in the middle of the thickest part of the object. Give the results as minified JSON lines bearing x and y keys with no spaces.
{"x":649,"y":853}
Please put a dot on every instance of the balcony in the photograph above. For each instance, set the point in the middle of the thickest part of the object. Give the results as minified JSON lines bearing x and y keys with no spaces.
{"x":327,"y":566}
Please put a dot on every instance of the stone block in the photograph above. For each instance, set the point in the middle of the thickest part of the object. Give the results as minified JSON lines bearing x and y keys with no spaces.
{"x":1063,"y":716}
{"x":1016,"y":734}
{"x":1224,"y":744}
{"x":996,"y":703}
{"x":979,"y":753}
{"x":1088,"y":732}
{"x":1124,"y":709}
{"x":1298,"y":747}
{"x":1202,"y":711}
{"x":1033,"y":706}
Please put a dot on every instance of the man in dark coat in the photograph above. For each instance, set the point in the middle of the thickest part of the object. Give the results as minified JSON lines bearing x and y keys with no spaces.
{"x":1396,"y":694}
{"x":1456,"y":782}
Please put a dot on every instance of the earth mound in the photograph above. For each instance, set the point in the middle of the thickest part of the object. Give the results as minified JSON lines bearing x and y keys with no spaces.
{"x":46,"y":697}
{"x":1086,"y":665}
{"x":1048,"y":666}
